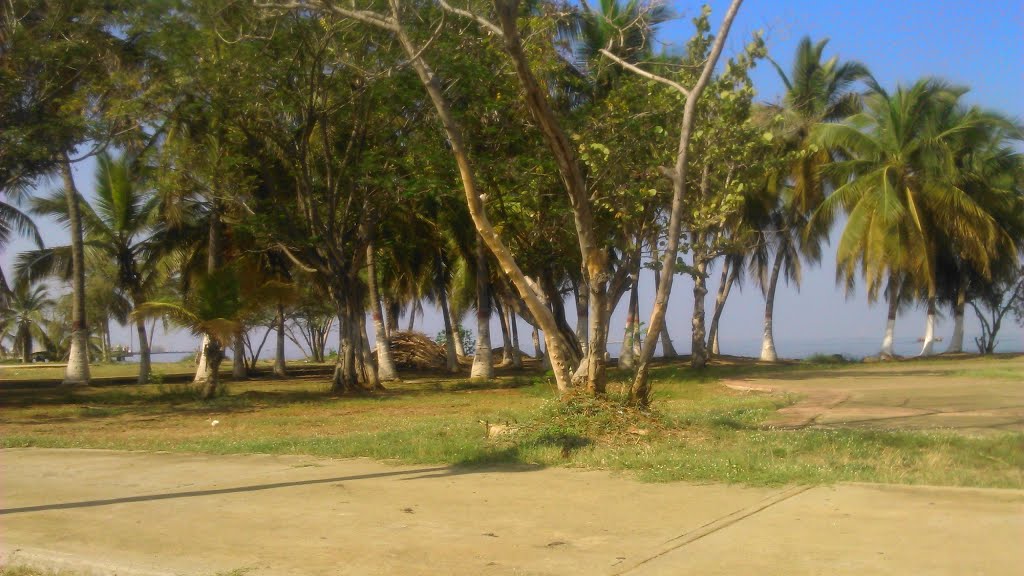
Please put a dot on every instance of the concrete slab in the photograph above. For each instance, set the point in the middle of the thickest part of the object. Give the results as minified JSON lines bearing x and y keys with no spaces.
{"x":127,"y":513}
{"x":860,"y":529}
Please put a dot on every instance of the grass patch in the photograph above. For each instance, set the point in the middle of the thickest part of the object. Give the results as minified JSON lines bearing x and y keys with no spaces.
{"x":1016,"y":374}
{"x":698,"y":429}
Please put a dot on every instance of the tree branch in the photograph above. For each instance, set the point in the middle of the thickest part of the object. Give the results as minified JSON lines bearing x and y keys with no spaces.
{"x":644,"y":73}
{"x":364,"y":16}
{"x":295,"y":260}
{"x":487,"y":24}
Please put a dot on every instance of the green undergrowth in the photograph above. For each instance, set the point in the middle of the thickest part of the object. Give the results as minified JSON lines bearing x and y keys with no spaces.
{"x":696,"y":430}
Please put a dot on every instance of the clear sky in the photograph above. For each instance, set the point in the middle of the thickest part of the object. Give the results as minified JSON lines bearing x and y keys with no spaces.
{"x":979,"y":44}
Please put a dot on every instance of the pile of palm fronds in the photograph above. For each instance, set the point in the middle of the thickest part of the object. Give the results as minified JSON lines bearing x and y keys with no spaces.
{"x":416,"y":351}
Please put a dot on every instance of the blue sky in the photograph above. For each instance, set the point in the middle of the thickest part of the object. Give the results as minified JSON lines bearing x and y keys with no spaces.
{"x":978,"y":44}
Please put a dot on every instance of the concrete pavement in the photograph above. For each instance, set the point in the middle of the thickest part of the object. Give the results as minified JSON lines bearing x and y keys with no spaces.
{"x":135,"y":513}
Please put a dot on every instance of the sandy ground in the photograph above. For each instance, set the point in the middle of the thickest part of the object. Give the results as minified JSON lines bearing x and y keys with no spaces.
{"x":134,"y":513}
{"x":904,"y":396}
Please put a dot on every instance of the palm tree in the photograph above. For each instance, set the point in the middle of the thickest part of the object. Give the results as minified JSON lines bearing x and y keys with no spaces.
{"x":625,"y":29}
{"x":817,"y":91}
{"x":212,"y":308}
{"x":120,"y":227}
{"x":990,"y":171}
{"x":25,"y":316}
{"x":901,"y":194}
{"x":13,"y":220}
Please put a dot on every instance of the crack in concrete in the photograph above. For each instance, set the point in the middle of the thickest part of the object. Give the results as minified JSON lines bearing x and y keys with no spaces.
{"x":717,"y":525}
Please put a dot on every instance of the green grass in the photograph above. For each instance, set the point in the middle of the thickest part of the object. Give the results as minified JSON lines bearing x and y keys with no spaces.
{"x":1016,"y":374}
{"x":96,"y":370}
{"x":698,"y":430}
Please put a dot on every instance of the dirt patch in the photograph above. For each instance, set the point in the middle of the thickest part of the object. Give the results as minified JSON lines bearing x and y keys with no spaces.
{"x":900,"y":397}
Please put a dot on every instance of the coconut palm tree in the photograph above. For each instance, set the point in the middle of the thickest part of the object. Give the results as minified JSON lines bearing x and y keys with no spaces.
{"x":13,"y":220}
{"x":212,"y":308}
{"x":990,"y":171}
{"x":901,"y":190}
{"x":817,"y":91}
{"x":24,"y":316}
{"x":120,"y":227}
{"x":626,"y":29}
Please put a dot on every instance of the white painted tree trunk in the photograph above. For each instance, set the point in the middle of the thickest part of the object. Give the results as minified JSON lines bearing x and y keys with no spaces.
{"x":77,"y":371}
{"x":887,"y":345}
{"x":768,"y":339}
{"x":483,"y":361}
{"x":956,"y":343}
{"x":203,"y":369}
{"x":929,"y":331}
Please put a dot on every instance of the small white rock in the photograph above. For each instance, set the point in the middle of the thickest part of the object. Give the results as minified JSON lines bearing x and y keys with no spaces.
{"x":215,"y":422}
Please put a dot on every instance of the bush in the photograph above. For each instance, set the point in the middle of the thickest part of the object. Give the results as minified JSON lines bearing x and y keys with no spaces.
{"x":821,"y":358}
{"x":468,"y":341}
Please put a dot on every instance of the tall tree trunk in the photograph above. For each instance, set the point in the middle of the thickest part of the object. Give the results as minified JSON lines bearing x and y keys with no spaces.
{"x":626,"y":356}
{"x":668,"y":350}
{"x":369,"y":368}
{"x":239,"y":371}
{"x":768,"y":339}
{"x":394,"y":309}
{"x":724,"y":287}
{"x":517,"y":359}
{"x":449,"y":333}
{"x":280,"y":369}
{"x":412,"y":318}
{"x":928,"y":348}
{"x":145,"y":364}
{"x":582,"y":315}
{"x":77,"y":371}
{"x":483,"y":362}
{"x":457,"y":328}
{"x":386,"y":369}
{"x":506,"y":338}
{"x":597,"y":346}
{"x":956,"y":343}
{"x":640,"y":391}
{"x":699,"y":353}
{"x":26,"y":345}
{"x":345,"y":372}
{"x":105,"y":341}
{"x":890,"y":324}
{"x":214,"y":257}
{"x":538,"y":352}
